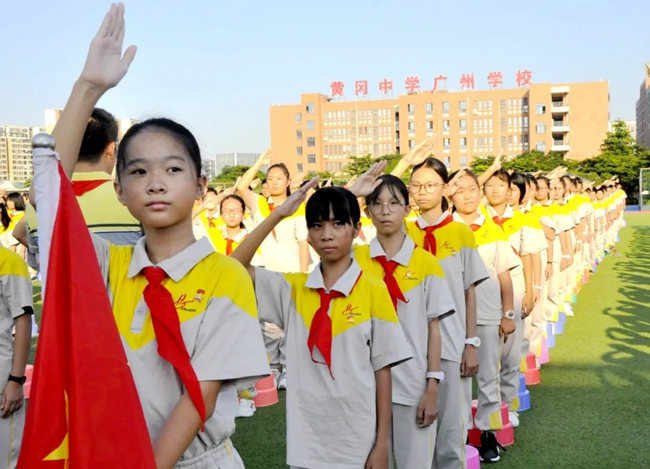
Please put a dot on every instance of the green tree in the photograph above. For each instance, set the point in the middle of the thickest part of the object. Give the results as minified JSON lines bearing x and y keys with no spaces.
{"x":231,"y":173}
{"x":480,"y":164}
{"x":359,"y":165}
{"x":535,"y":160}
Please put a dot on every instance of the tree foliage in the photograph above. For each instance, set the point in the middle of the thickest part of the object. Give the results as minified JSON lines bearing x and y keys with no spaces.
{"x":231,"y":173}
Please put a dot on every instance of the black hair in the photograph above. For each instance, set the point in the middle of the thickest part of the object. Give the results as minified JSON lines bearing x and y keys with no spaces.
{"x":303,"y":183}
{"x":285,"y":170}
{"x":531,"y":179}
{"x":500,"y":174}
{"x":238,"y":199}
{"x":263,"y":181}
{"x":519,"y":180}
{"x":181,"y":135}
{"x":566,"y":181}
{"x":440,"y":168}
{"x":341,"y":202}
{"x":395,"y":186}
{"x":545,"y":179}
{"x":17,"y":199}
{"x":563,"y":181}
{"x":5,"y":219}
{"x":212,"y":190}
{"x":100,"y":132}
{"x":467,"y":173}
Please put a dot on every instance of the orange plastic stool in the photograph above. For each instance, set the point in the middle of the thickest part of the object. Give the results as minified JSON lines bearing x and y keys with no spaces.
{"x":267,"y":393}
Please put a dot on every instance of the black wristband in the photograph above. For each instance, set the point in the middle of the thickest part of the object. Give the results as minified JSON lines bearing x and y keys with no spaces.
{"x":18,"y":380}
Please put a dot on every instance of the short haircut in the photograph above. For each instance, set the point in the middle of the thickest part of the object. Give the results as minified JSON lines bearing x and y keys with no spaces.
{"x":339,"y":201}
{"x":519,"y":180}
{"x":395,"y":186}
{"x":500,"y":174}
{"x":100,"y":132}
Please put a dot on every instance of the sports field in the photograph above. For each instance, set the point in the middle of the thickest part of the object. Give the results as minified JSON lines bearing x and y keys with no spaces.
{"x":592,"y":409}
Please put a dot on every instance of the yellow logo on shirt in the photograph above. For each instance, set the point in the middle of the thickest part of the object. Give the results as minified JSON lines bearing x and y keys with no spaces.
{"x":409,"y":276}
{"x":448,"y":246}
{"x":182,"y":302}
{"x":349,"y":313}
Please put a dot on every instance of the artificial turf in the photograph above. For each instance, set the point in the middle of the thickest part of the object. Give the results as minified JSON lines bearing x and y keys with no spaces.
{"x":592,"y":409}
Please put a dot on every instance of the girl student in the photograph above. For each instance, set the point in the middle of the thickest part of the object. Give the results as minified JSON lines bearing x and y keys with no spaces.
{"x":454,"y":246}
{"x":342,"y":337}
{"x":284,"y":250}
{"x":16,"y":209}
{"x":158,"y":179}
{"x":495,"y":307}
{"x":419,"y":291}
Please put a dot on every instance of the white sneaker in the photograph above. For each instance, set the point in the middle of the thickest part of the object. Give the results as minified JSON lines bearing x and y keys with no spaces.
{"x":567,"y":309}
{"x":514,"y":418}
{"x":276,"y":376}
{"x":246,"y":408}
{"x":283,"y":379}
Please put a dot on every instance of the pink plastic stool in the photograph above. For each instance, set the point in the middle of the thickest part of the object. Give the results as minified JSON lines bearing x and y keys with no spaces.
{"x":267,"y":393}
{"x":530,"y":361}
{"x":505,"y":417}
{"x":533,"y":377}
{"x":473,"y":460}
{"x":27,"y":387}
{"x":508,"y":430}
{"x":506,"y":436}
{"x":544,"y":357}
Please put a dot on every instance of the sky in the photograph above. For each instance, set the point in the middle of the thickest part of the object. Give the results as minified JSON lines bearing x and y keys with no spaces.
{"x":218,"y":65}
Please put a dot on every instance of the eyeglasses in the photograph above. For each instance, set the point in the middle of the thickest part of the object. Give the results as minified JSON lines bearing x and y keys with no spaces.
{"x":429,"y":187}
{"x":232,"y":212}
{"x":377,"y":207}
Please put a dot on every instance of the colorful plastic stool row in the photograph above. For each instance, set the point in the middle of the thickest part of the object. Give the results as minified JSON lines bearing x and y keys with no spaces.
{"x":267,"y":393}
{"x":473,"y":459}
{"x":505,"y":436}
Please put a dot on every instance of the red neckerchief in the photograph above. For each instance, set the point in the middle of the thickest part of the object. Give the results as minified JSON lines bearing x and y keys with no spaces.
{"x":475,"y":227}
{"x":429,"y":238}
{"x":81,"y":187}
{"x":390,"y":280}
{"x":499,"y":221}
{"x":229,"y":246}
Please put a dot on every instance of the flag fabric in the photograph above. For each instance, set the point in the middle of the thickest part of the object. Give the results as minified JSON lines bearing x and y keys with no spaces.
{"x":84,"y":410}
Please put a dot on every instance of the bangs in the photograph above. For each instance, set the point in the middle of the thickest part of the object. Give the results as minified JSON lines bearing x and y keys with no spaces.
{"x":395,"y":186}
{"x":332,"y":201}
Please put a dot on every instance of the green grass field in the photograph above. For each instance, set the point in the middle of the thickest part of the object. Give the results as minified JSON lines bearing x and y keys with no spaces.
{"x":592,"y":409}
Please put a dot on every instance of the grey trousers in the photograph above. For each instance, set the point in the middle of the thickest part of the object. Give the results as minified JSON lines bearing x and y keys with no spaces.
{"x":488,"y":415}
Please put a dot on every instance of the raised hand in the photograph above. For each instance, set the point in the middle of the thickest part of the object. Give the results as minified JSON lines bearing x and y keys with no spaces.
{"x":368,"y":182}
{"x":452,"y":186}
{"x":266,"y":157}
{"x":496,"y":164}
{"x":420,"y":152}
{"x":289,"y":206}
{"x":105,"y":65}
{"x":255,"y":183}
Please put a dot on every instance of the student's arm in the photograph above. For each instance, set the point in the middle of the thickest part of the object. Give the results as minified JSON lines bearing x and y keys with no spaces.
{"x":537,"y":277}
{"x":564,"y":243}
{"x":507,"y":300}
{"x":378,"y":458}
{"x":428,"y":409}
{"x":20,"y":232}
{"x":13,"y":396}
{"x":247,"y":249}
{"x":527,"y":305}
{"x":469,"y":365}
{"x":183,"y":425}
{"x":303,"y":253}
{"x":415,"y":156}
{"x":104,"y":68}
{"x":250,"y":198}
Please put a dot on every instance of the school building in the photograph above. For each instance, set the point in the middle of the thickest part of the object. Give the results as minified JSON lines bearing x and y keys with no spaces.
{"x":321,"y":133}
{"x":643,"y":113}
{"x":16,"y":152}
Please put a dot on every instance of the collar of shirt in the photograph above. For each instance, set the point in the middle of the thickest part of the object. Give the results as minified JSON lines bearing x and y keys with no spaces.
{"x":176,"y":267}
{"x":479,"y":220}
{"x":237,"y":238}
{"x":344,"y":284}
{"x":93,"y":176}
{"x":403,"y":256}
{"x":509,"y":212}
{"x":422,"y":223}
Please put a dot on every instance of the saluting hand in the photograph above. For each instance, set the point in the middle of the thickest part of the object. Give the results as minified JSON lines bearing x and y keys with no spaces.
{"x":368,"y":181}
{"x":292,"y":203}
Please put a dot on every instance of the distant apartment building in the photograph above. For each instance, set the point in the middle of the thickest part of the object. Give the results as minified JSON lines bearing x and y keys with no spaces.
{"x":643,"y":114}
{"x":631,"y":126}
{"x":234,"y":159}
{"x":16,"y":152}
{"x":322,"y":132}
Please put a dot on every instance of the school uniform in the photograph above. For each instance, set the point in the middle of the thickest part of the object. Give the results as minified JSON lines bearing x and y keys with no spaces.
{"x":216,"y":307}
{"x":417,"y":285}
{"x":15,"y":300}
{"x":367,"y":233}
{"x":559,"y":281}
{"x":331,"y":397}
{"x":524,"y":241}
{"x":455,"y":249}
{"x":498,"y":257}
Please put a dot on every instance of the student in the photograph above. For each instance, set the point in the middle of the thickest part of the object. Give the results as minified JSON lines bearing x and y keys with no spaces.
{"x":495,"y":308}
{"x":16,"y":311}
{"x":5,"y":229}
{"x":342,"y":337}
{"x":158,"y":179}
{"x":266,"y":193}
{"x":16,"y":209}
{"x":566,"y":225}
{"x":418,"y":288}
{"x":454,"y":246}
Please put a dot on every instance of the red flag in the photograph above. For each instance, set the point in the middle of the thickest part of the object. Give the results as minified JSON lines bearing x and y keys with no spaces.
{"x":84,"y":410}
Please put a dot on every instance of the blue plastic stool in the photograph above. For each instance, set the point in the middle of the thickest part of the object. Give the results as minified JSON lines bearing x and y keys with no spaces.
{"x":522,"y":382}
{"x":550,"y":335}
{"x":524,"y":394}
{"x":561,"y":317}
{"x":558,"y":328}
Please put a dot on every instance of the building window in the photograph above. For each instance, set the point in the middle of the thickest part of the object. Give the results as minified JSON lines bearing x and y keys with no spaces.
{"x":411,"y":109}
{"x":298,"y":151}
{"x":462,"y":106}
{"x":310,"y":108}
{"x":525,"y":122}
{"x":525,"y":104}
{"x":299,"y":165}
{"x":429,"y":125}
{"x":411,"y":143}
{"x":411,"y":126}
{"x":503,"y":124}
{"x":447,"y":161}
{"x":540,"y":128}
{"x":540,"y":146}
{"x":524,"y":139}
{"x":299,"y":134}
{"x":445,"y":125}
{"x":463,"y":161}
{"x":463,"y":142}
{"x":463,"y":124}
{"x":503,"y":142}
{"x":311,"y":141}
{"x":540,"y":109}
{"x":429,"y":108}
{"x":311,"y":125}
{"x":445,"y":106}
{"x":298,"y":117}
{"x":446,"y":143}
{"x":311,"y":159}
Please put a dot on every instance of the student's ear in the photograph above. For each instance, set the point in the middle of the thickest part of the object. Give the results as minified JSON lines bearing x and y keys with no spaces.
{"x":201,"y":187}
{"x":407,"y":210}
{"x":110,"y":157}
{"x":356,"y":230}
{"x":119,"y":192}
